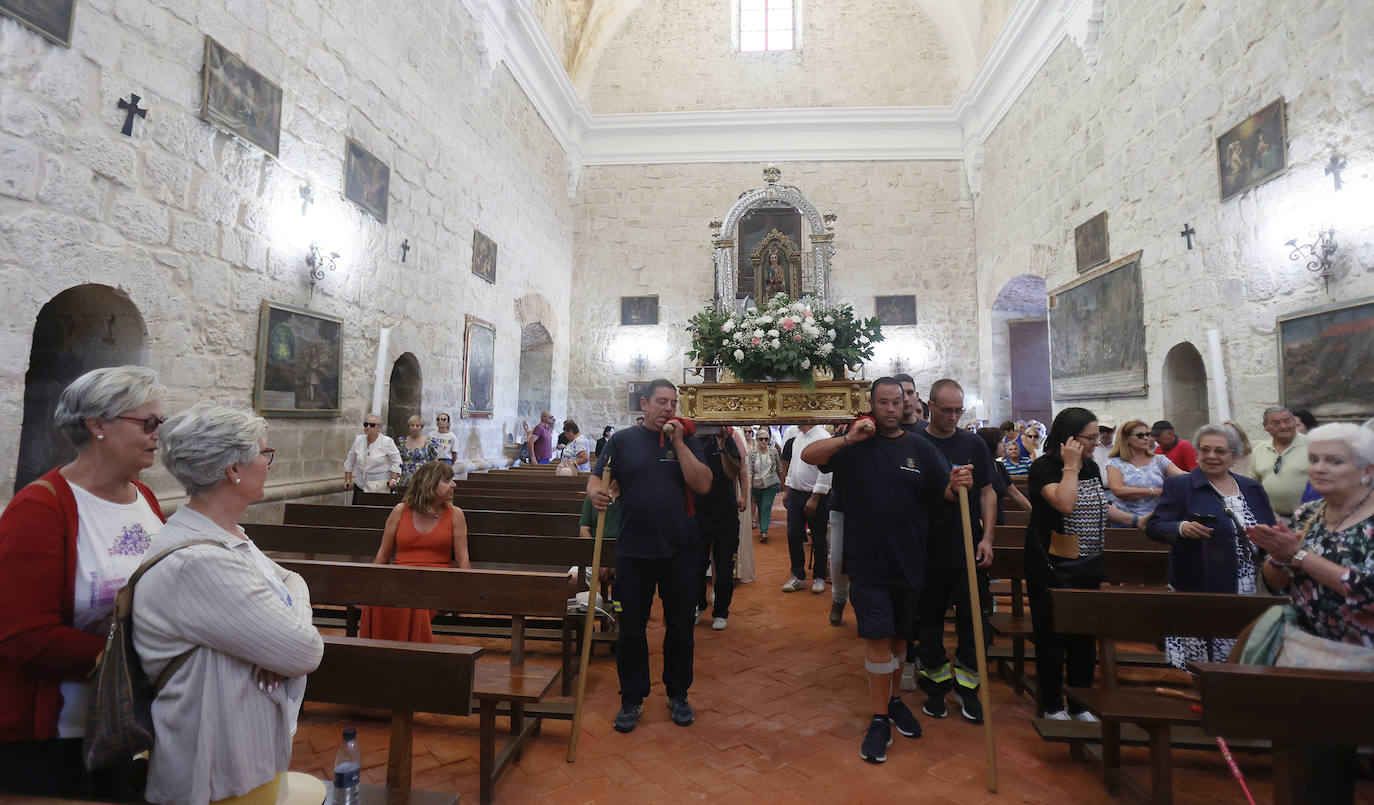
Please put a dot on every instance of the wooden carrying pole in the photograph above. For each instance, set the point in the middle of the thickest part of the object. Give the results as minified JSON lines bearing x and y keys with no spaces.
{"x":974,"y":591}
{"x":593,"y":589}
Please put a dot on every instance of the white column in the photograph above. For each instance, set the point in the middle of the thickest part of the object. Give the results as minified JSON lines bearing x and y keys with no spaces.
{"x":1218,"y":375}
{"x":379,"y":380}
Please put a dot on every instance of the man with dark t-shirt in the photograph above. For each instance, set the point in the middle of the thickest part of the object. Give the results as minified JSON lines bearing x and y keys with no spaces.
{"x":912,"y":408}
{"x":946,"y":574}
{"x":657,"y":466}
{"x":717,"y":516}
{"x":891,"y":480}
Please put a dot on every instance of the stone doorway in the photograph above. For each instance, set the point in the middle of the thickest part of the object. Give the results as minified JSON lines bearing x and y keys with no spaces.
{"x":1185,"y":390}
{"x":83,"y":328}
{"x":536,"y":373}
{"x":1020,"y":351}
{"x":403,"y":399}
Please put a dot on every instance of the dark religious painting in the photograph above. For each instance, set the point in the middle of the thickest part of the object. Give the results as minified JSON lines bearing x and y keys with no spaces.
{"x":1090,"y":243}
{"x":1326,"y":361}
{"x":1254,"y":151}
{"x":754,"y":226}
{"x":638,"y":310}
{"x":638,"y":388}
{"x":367,"y":180}
{"x":479,"y":368}
{"x":240,"y":99}
{"x":895,"y":310}
{"x":300,"y":361}
{"x":51,"y":19}
{"x":483,"y":256}
{"x":1097,"y":334}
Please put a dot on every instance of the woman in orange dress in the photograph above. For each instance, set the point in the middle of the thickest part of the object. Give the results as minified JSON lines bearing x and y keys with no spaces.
{"x":424,"y":530}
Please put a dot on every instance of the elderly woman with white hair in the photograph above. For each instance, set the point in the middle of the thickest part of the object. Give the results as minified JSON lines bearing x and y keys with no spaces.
{"x":68,"y":541}
{"x":231,"y":623}
{"x":373,"y":463}
{"x":1326,"y":562}
{"x":1204,"y":515}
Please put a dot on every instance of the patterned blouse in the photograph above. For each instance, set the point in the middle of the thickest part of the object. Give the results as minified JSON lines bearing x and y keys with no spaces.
{"x":412,"y":460}
{"x":1149,"y":476}
{"x":1088,"y":520}
{"x":1347,"y":618}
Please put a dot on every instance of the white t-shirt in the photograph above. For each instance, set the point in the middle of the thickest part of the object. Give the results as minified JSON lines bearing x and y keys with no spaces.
{"x":580,"y":443}
{"x":448,"y":444}
{"x":111,"y":542}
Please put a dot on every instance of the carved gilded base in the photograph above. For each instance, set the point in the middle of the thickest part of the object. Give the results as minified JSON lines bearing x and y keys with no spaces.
{"x":777,"y":402}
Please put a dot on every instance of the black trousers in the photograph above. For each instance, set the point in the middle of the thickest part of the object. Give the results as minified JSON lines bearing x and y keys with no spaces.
{"x":675,"y":577}
{"x":1054,"y":651}
{"x":943,"y":586}
{"x":53,"y":768}
{"x":797,"y":523}
{"x":719,"y":542}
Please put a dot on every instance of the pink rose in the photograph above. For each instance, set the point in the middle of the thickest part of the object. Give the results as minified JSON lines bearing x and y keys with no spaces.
{"x":807,"y":314}
{"x":796,"y":337}
{"x":754,"y":341}
{"x":789,"y":323}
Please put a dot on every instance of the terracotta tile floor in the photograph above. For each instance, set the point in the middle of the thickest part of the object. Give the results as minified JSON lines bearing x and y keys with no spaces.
{"x":781,"y":700}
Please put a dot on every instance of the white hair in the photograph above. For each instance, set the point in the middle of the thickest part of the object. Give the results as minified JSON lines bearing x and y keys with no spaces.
{"x":1233,"y":442}
{"x":199,"y":443}
{"x":1359,"y":439}
{"x":104,"y":394}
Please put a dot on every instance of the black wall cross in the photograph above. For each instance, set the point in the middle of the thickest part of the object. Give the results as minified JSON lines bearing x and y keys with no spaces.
{"x":131,"y":109}
{"x":405,"y":249}
{"x":1188,"y":233}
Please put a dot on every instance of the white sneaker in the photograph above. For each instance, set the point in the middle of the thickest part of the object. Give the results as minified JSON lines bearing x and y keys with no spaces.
{"x":1085,"y":716}
{"x":818,"y":586}
{"x":1057,"y":715}
{"x":908,"y":681}
{"x":718,"y":624}
{"x":793,"y":584}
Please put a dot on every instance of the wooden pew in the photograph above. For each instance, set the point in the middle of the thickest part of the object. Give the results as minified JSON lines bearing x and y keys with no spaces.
{"x":523,"y":480}
{"x":1138,"y":615}
{"x":538,"y":524}
{"x":1302,"y":712}
{"x":550,"y":502}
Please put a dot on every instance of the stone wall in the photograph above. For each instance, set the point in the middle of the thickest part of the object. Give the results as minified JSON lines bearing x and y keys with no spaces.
{"x":198,"y":227}
{"x":904,"y":227}
{"x":1137,"y":137}
{"x":677,"y":55}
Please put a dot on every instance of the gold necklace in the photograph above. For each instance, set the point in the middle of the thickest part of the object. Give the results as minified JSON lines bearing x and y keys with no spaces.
{"x":1336,"y":525}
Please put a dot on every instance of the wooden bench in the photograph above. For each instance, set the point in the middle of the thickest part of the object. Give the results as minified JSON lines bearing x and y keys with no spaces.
{"x":1302,"y":712}
{"x":1139,"y":615}
{"x":479,"y":521}
{"x":551,"y":502}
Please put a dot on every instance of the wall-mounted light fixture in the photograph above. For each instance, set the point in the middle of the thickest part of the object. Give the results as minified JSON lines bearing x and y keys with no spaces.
{"x":307,"y":196}
{"x":317,"y":261}
{"x":1317,"y":253}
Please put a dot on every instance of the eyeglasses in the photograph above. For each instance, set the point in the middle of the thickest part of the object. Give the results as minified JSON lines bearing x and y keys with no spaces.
{"x":372,"y":424}
{"x":1278,"y":464}
{"x":1215,"y":451}
{"x":152,"y":423}
{"x":441,"y":419}
{"x":1092,"y":437}
{"x":271,"y":454}
{"x":949,"y":411}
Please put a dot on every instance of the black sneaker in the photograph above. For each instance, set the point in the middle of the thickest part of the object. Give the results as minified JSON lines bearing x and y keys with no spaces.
{"x":971,"y":707}
{"x":902,"y":718}
{"x":877,"y":739}
{"x":836,"y":613}
{"x":681,"y":710}
{"x":935,"y":706}
{"x":628,"y":717}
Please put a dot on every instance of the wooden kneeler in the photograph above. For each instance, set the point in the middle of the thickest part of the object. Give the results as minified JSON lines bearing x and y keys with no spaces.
{"x":592,"y":591}
{"x":984,"y":695}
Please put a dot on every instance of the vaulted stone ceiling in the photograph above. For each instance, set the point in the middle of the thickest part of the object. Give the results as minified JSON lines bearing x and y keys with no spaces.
{"x":580,"y":29}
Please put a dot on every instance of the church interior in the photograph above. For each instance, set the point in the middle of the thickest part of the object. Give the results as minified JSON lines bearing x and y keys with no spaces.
{"x":326,"y":209}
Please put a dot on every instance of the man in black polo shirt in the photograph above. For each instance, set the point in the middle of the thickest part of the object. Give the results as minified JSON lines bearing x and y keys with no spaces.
{"x":657,"y":466}
{"x":946,"y":574}
{"x":891,"y":480}
{"x":913,"y":410}
{"x":717,"y":516}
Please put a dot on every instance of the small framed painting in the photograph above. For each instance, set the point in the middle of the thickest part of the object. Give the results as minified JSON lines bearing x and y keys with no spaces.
{"x":1090,"y":245}
{"x":895,"y":310}
{"x":367,"y":180}
{"x":50,"y":19}
{"x":636,"y":310}
{"x":636,"y":391}
{"x":300,"y":361}
{"x":483,"y":256}
{"x":1254,"y":151}
{"x":239,"y":99}
{"x":479,"y":368}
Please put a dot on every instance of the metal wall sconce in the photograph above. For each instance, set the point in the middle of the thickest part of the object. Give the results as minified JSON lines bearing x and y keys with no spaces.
{"x":317,"y":261}
{"x":1317,"y":253}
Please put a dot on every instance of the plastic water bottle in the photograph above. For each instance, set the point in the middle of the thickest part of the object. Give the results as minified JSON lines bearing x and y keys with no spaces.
{"x":348,"y":765}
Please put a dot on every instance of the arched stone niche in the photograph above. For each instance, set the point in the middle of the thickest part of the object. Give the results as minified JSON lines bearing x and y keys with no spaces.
{"x":536,"y":372}
{"x":83,"y":328}
{"x":405,"y":394}
{"x":1020,"y":350}
{"x":1185,"y":389}
{"x":815,"y":255}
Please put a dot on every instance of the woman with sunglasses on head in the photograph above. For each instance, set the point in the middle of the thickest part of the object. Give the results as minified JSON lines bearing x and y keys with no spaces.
{"x":373,"y":460}
{"x":1136,"y":473}
{"x":68,"y":542}
{"x":764,"y":463}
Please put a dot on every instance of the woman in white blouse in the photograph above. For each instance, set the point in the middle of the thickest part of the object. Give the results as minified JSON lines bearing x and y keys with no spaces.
{"x":223,"y":721}
{"x":373,"y":461}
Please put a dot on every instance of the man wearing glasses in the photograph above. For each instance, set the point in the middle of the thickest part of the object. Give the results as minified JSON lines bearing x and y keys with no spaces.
{"x":1280,"y":464}
{"x":540,"y":439}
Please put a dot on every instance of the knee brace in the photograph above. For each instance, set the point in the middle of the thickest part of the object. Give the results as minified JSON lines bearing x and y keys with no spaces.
{"x":884,"y":667}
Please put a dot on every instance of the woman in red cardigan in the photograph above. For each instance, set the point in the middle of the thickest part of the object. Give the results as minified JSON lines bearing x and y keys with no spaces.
{"x":68,"y":541}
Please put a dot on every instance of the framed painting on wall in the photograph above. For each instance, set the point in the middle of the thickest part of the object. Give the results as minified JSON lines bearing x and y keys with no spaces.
{"x":483,"y":256}
{"x":1090,"y":245}
{"x":1324,"y":361}
{"x":895,"y":310}
{"x":300,"y":361}
{"x":367,"y":180}
{"x":239,"y":99}
{"x":636,"y":391}
{"x":1097,"y":334}
{"x":51,"y":19}
{"x":1254,"y":151}
{"x":479,"y":368}
{"x":636,"y":310}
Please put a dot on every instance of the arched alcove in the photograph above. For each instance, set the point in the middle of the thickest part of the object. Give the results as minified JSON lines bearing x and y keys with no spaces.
{"x":1185,"y":389}
{"x":536,"y":371}
{"x":80,"y":329}
{"x":403,"y":399}
{"x":1021,"y":351}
